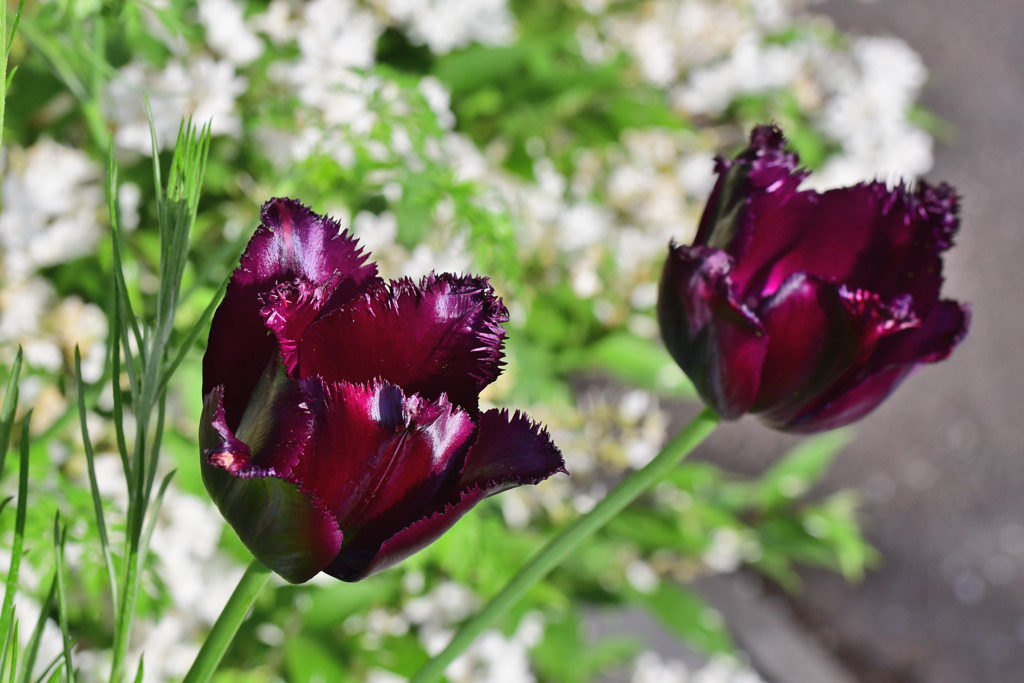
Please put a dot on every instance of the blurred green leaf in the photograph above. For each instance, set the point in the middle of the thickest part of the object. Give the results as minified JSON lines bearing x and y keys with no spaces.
{"x":307,"y":661}
{"x":687,"y":615}
{"x":636,"y":361}
{"x":800,"y":469}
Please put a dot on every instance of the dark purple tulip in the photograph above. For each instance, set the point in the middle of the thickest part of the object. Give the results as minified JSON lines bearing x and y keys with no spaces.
{"x":341,"y":430}
{"x":808,"y":309}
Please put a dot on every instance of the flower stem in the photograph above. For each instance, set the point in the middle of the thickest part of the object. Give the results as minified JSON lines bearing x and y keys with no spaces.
{"x":223,"y":632}
{"x":568,"y":540}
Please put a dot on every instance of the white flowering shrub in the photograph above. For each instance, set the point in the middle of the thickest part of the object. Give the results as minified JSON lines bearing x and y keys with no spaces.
{"x":554,"y":146}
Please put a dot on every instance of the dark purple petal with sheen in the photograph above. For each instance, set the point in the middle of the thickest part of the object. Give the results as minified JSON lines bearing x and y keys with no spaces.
{"x":817,"y":333}
{"x":286,"y":529}
{"x":888,"y":241}
{"x":893,"y":360}
{"x":444,"y":336}
{"x":718,"y":342}
{"x":859,"y":322}
{"x":870,"y":236}
{"x":763,"y":168}
{"x":378,"y":458}
{"x":292,"y":242}
{"x":509,"y":451}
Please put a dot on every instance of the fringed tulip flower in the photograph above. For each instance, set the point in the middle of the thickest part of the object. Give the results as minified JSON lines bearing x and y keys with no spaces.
{"x":808,"y":309}
{"x":341,"y":430}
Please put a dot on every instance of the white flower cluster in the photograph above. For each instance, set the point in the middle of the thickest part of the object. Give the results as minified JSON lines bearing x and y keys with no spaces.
{"x":709,"y":53}
{"x":651,"y":668}
{"x":51,"y":200}
{"x":200,"y":87}
{"x":444,"y":25}
{"x":493,"y":658}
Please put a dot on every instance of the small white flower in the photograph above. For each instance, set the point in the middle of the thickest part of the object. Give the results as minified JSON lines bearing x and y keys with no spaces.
{"x":227,"y":33}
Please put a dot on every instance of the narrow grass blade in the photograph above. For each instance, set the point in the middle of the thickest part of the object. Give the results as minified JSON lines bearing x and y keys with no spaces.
{"x":154,"y":513}
{"x":57,"y":667}
{"x":194,"y":333}
{"x":32,"y":649}
{"x":17,"y":546}
{"x":139,"y":674}
{"x":59,"y":536}
{"x":12,"y":637}
{"x":10,"y":405}
{"x":97,"y":503}
{"x":14,"y":26}
{"x":115,"y":234}
{"x":158,"y":435}
{"x":115,"y":379}
{"x":5,"y":502}
{"x":14,"y":656}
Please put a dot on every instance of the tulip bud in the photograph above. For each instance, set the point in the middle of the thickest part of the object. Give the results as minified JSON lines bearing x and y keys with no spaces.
{"x":341,"y":430}
{"x":808,"y":309}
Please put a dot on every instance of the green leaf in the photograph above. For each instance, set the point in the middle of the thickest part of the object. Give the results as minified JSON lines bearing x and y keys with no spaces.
{"x":636,"y":361}
{"x":689,"y":617}
{"x":800,"y":469}
{"x":307,"y":660}
{"x":565,"y":657}
{"x":332,"y":605}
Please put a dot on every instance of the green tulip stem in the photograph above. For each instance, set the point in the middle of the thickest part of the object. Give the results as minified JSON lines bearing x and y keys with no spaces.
{"x":568,"y":540}
{"x":241,"y":601}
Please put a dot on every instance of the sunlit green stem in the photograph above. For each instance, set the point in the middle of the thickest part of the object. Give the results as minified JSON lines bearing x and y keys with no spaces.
{"x":241,"y":601}
{"x":568,"y":540}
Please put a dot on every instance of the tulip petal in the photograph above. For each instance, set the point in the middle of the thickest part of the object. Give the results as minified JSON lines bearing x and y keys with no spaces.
{"x":859,"y":328}
{"x":291,"y":242}
{"x":895,"y":358}
{"x":378,"y":458}
{"x":817,"y":332}
{"x":719,"y":343}
{"x":286,"y":529}
{"x":509,"y":452}
{"x":802,"y":341}
{"x":444,"y":336}
{"x":763,"y":169}
{"x":885,"y":240}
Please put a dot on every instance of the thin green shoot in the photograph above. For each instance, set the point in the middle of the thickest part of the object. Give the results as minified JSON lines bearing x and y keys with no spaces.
{"x":119,"y":282}
{"x":59,"y":536}
{"x":32,"y":649}
{"x":18,"y":544}
{"x":97,"y":502}
{"x":10,"y":406}
{"x":12,"y":637}
{"x":115,"y":386}
{"x":14,"y":656}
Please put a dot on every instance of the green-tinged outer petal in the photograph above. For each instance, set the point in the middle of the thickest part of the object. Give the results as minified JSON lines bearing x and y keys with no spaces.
{"x":284,"y":528}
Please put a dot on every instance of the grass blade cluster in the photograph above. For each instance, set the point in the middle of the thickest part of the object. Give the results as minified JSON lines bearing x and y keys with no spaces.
{"x":145,"y":349}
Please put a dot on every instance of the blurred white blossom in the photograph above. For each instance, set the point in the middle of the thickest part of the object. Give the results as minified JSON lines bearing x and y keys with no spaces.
{"x":201,"y":87}
{"x":444,"y":25}
{"x":51,"y":198}
{"x":226,"y":32}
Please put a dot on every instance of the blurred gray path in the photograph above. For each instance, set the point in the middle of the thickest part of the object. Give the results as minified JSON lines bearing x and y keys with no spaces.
{"x":941,"y":464}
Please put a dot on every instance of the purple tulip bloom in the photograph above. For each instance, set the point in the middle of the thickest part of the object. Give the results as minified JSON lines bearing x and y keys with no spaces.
{"x":808,"y":309}
{"x":341,"y":430}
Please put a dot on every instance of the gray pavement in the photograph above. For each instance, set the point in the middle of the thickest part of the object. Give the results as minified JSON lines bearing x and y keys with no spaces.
{"x":941,"y":464}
